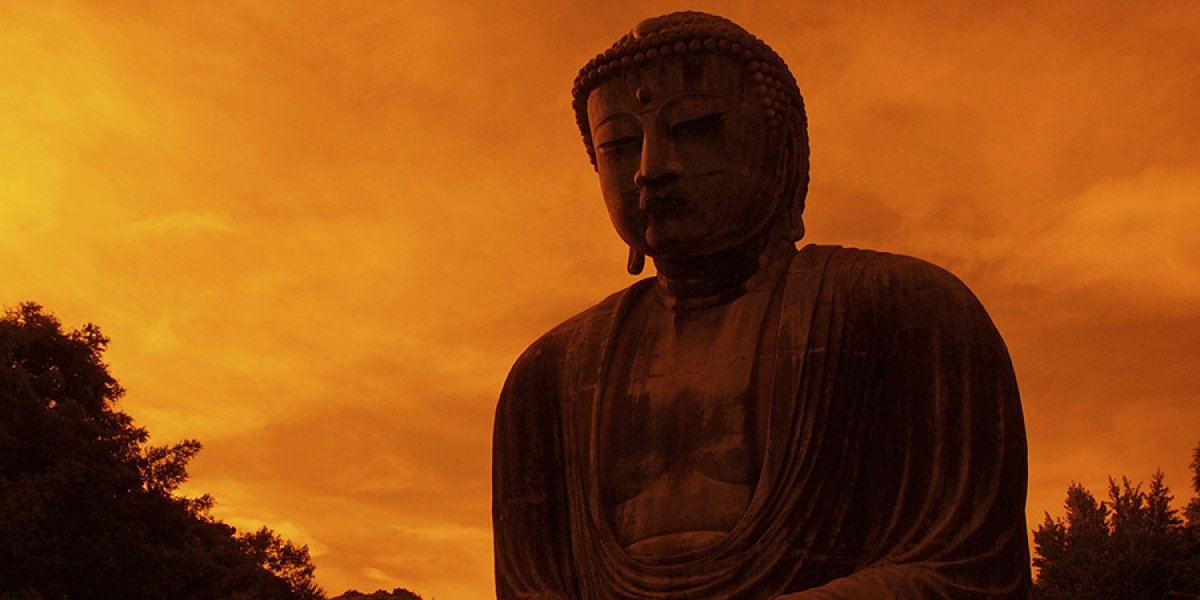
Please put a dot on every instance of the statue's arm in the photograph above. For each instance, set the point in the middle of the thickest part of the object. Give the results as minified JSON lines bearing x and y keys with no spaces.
{"x":948,"y":520}
{"x":532,"y":545}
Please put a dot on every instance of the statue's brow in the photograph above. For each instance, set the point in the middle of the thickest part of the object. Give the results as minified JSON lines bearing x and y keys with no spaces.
{"x":614,"y":116}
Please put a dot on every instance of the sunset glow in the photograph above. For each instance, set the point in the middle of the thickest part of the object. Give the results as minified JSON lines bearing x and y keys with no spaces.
{"x":319,"y":236}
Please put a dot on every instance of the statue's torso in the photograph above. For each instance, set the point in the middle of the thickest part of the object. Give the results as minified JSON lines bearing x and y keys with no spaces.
{"x":895,"y":462}
{"x":680,"y":442}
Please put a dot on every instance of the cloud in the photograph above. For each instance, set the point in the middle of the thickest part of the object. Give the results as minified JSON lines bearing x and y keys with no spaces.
{"x":399,"y":489}
{"x":320,"y":236}
{"x":1136,"y":234}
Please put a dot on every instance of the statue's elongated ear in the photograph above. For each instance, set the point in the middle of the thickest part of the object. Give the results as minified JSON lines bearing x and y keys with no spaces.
{"x":790,"y":188}
{"x":796,"y":224}
{"x":637,"y":261}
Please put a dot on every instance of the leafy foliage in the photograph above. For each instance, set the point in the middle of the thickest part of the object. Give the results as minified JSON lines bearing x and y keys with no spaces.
{"x":87,"y":507}
{"x":1193,"y":508}
{"x":286,"y":560}
{"x":1132,"y":546}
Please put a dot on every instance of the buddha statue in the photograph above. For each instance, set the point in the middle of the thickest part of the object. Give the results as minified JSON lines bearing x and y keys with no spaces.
{"x":755,"y":421}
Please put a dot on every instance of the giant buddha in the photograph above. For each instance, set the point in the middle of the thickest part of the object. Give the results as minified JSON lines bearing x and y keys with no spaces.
{"x":754,"y":421}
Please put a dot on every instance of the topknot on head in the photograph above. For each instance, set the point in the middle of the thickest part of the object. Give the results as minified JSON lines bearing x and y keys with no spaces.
{"x":654,"y":25}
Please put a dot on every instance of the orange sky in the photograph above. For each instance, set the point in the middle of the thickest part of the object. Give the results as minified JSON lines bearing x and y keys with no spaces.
{"x":319,"y":236}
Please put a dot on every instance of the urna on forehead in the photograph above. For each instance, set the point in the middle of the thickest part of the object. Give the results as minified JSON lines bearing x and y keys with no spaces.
{"x":651,"y":83}
{"x":680,"y":34}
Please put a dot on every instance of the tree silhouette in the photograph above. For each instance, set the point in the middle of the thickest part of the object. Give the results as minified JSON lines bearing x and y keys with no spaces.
{"x":87,"y":508}
{"x":1132,"y":546}
{"x":286,"y":560}
{"x":1192,"y":525}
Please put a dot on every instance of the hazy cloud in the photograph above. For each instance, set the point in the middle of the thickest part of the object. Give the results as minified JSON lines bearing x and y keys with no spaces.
{"x":319,"y":235}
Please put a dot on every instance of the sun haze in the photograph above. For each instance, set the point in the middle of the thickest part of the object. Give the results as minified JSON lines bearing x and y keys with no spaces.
{"x":319,"y":235}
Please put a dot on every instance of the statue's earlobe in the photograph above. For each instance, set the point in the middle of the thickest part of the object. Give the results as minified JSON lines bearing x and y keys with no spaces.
{"x":637,"y":261}
{"x":795,"y":225}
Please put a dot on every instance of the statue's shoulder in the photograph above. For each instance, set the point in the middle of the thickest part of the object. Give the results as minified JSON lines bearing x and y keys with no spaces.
{"x":857,"y":270}
{"x":887,"y":292}
{"x":576,"y":334}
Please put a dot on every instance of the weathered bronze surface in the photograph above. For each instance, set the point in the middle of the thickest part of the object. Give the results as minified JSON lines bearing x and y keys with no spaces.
{"x":755,"y":421}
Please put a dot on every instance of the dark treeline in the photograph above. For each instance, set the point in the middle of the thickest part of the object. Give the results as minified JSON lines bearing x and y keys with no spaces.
{"x":1132,"y":546}
{"x":88,"y":508}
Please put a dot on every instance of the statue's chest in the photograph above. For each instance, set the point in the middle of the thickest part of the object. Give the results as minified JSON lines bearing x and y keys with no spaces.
{"x":682,"y":398}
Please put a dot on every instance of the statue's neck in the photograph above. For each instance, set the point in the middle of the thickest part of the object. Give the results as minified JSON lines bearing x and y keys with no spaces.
{"x":697,"y":281}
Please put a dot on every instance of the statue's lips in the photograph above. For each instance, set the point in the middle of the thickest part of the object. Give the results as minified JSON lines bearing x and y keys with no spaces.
{"x":663,"y":206}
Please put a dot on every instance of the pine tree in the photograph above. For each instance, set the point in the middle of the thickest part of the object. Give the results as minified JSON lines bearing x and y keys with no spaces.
{"x":1133,"y":546}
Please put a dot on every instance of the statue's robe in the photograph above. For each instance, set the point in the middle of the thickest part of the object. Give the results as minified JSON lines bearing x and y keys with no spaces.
{"x":894,"y":462}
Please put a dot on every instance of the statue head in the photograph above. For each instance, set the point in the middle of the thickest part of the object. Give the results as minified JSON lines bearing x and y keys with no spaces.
{"x":698,"y":133}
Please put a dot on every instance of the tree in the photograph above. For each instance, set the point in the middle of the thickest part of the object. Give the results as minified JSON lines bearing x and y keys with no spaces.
{"x":1193,"y":508}
{"x":1070,"y":553}
{"x":283,"y":558}
{"x":1192,"y":523}
{"x":88,"y":509}
{"x":1132,"y":546}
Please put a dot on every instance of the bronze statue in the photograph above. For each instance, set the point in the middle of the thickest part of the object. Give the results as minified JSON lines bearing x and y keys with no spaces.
{"x":755,"y":421}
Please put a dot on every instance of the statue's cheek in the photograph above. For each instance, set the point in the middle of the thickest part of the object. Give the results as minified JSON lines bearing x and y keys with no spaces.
{"x":627,"y":217}
{"x":616,"y":171}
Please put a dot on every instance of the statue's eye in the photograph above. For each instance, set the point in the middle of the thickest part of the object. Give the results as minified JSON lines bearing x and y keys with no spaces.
{"x":698,"y":126}
{"x":621,"y":143}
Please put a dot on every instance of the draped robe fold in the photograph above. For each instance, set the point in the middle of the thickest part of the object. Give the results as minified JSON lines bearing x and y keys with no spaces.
{"x":894,"y":463}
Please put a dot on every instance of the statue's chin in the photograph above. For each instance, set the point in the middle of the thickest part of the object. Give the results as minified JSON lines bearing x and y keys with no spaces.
{"x":685,"y":237}
{"x":688,"y":248}
{"x":679,"y":241}
{"x":670,"y":236}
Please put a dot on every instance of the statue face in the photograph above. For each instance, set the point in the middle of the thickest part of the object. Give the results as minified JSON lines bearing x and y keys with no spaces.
{"x":687,"y":164}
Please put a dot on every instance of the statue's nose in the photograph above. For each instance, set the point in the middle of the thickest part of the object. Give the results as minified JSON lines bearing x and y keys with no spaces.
{"x":654,"y":180}
{"x":660,"y":164}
